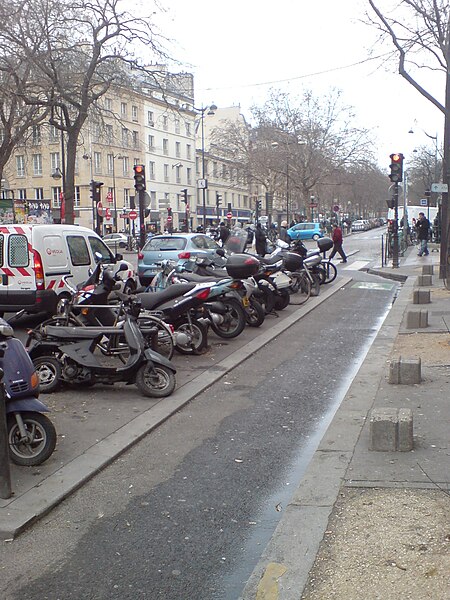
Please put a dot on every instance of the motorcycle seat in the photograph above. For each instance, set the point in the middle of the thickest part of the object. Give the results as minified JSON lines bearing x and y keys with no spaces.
{"x":195,"y":278}
{"x":70,"y":333}
{"x":150,"y":300}
{"x":269,"y":261}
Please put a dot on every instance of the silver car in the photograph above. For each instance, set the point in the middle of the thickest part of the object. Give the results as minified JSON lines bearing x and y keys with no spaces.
{"x":116,"y":241}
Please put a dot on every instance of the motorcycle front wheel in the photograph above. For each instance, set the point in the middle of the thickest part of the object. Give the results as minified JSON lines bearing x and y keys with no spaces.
{"x":155,"y":381}
{"x":255,"y":314}
{"x":39,"y":442}
{"x":300,"y":289}
{"x":233,"y":321}
{"x":282,"y":299}
{"x":48,"y":369}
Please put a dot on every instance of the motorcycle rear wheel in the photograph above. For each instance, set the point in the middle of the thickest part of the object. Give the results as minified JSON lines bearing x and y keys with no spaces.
{"x":233,"y":321}
{"x":282,"y":300}
{"x":48,"y":369}
{"x":155,"y":381}
{"x":255,"y":314}
{"x":197,"y":334}
{"x":39,"y":443}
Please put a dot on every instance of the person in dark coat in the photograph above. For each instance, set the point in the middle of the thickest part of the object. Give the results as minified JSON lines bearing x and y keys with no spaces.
{"x":260,"y":240}
{"x":224,"y":233}
{"x":284,"y":236}
{"x":423,"y":233}
{"x":336,"y":236}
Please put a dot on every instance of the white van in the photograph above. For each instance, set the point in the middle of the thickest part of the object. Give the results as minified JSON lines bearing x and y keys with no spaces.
{"x":34,"y":259}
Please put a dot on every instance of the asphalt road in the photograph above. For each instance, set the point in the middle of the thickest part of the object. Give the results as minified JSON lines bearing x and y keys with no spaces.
{"x":187,"y":512}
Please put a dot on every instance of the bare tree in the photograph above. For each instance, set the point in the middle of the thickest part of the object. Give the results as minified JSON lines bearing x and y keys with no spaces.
{"x":77,"y":50}
{"x":420,"y":33}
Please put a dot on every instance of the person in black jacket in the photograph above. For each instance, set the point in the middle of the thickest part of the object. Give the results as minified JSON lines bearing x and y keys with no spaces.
{"x":423,"y":232}
{"x":224,"y":233}
{"x":260,"y":240}
{"x":284,"y":233}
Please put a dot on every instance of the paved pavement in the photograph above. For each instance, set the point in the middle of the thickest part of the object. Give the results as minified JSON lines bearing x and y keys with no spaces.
{"x":95,"y":426}
{"x":375,"y":524}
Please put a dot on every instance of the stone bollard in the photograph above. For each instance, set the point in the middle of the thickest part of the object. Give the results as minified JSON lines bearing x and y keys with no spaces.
{"x":424,"y":280}
{"x":421,"y":296}
{"x":427,"y":270}
{"x":405,"y":371}
{"x":416,"y":318}
{"x":391,"y":430}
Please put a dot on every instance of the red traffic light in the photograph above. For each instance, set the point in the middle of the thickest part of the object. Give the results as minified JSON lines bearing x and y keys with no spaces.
{"x":139,"y":177}
{"x":396,"y":158}
{"x":396,"y":175}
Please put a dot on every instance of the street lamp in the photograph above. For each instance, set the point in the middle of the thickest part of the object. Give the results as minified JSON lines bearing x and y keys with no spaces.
{"x":296,"y":142}
{"x":114,"y":156}
{"x":203,"y":183}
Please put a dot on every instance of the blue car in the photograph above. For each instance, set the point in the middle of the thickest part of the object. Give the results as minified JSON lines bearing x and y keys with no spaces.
{"x":176,"y":246}
{"x":306,"y":231}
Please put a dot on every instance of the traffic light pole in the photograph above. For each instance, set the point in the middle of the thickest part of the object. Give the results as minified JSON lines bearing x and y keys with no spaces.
{"x":395,"y":247}
{"x":141,"y":218}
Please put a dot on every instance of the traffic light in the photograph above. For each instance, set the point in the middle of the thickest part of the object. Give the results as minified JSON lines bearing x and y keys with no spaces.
{"x":139,"y":177}
{"x":259,"y":204}
{"x":218,"y":199}
{"x":184,"y":198}
{"x":95,"y":187}
{"x":396,"y":174}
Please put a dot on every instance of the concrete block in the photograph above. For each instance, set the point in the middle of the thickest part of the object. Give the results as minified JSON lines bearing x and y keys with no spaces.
{"x":416,"y":318}
{"x":391,"y":430}
{"x":405,"y":371}
{"x":405,"y":430}
{"x":427,"y":270}
{"x":421,"y":296}
{"x":424,"y":280}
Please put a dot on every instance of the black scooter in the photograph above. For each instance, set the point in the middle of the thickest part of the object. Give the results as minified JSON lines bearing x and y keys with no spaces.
{"x":31,"y":434}
{"x":67,"y":354}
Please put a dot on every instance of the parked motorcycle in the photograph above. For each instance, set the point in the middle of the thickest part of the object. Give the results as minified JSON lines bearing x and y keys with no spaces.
{"x":68,"y":355}
{"x":31,"y":434}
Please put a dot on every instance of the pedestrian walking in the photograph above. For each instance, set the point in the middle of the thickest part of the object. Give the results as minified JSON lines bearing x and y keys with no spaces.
{"x":336,"y":236}
{"x":284,"y":236}
{"x":260,"y":240}
{"x":224,"y":233}
{"x":423,"y":233}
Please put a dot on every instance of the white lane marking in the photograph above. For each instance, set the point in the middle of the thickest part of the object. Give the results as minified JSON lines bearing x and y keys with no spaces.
{"x":357,"y":265}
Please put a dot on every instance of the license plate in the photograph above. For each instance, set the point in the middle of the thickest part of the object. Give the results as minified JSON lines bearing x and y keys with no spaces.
{"x":245,"y":301}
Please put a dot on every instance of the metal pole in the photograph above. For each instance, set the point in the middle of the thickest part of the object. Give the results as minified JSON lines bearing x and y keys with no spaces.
{"x":287,"y":191}
{"x":114,"y":191}
{"x":203,"y":170}
{"x":5,"y":473}
{"x":395,"y":248}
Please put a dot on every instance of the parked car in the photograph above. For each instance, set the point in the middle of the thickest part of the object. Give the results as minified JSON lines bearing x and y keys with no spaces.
{"x":306,"y":231}
{"x":176,"y":246}
{"x":359,"y":225}
{"x":116,"y":241}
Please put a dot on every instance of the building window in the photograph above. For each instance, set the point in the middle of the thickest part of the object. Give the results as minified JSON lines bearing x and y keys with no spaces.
{"x":188,"y":151}
{"x":97,"y":162}
{"x":20,"y":165}
{"x":166,"y":173}
{"x":125,"y":137}
{"x":109,"y":134}
{"x":108,"y":104}
{"x":151,"y":170}
{"x":125,"y":165}
{"x":215,"y":169}
{"x":77,"y":198}
{"x":178,"y":173}
{"x":135,"y":139}
{"x":189,"y":176}
{"x":37,"y":164}
{"x":165,"y":122}
{"x":36,"y":135}
{"x":177,"y":149}
{"x":198,"y":164}
{"x":166,"y":146}
{"x":188,"y":129}
{"x":126,"y":198}
{"x":150,"y":118}
{"x":110,"y":163}
{"x":22,"y":194}
{"x":56,"y":197}
{"x":123,"y":109}
{"x":177,"y":125}
{"x":134,"y":113}
{"x":38,"y":193}
{"x":54,"y":135}
{"x":151,"y":143}
{"x":55,"y":163}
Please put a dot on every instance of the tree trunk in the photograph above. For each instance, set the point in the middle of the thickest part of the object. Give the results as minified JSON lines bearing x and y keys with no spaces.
{"x":444,"y":249}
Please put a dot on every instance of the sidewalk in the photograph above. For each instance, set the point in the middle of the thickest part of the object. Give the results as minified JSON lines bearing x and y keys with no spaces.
{"x":375,"y":525}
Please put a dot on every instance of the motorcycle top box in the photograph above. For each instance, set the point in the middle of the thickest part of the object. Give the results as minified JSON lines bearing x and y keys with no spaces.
{"x":292,"y":261}
{"x":325,"y":244}
{"x":241,"y":266}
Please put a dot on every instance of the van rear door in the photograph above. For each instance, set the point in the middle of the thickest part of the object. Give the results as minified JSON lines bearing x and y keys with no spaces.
{"x":17,"y":281}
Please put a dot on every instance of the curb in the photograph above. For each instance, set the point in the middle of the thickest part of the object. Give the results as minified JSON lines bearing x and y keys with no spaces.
{"x":290,"y":554}
{"x":18,"y":513}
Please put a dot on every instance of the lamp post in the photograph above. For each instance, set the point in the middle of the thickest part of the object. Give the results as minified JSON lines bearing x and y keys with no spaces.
{"x":203,"y":182}
{"x":288,"y":143}
{"x":114,"y":156}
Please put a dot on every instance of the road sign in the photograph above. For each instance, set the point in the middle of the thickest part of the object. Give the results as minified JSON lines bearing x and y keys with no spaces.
{"x":123,"y":215}
{"x":336,"y":208}
{"x":100,"y":209}
{"x":169,"y":219}
{"x":108,"y":213}
{"x":439,"y":187}
{"x":424,"y":202}
{"x":132,"y":215}
{"x":313,"y":204}
{"x":202,"y":184}
{"x":229,"y":215}
{"x":109,"y":197}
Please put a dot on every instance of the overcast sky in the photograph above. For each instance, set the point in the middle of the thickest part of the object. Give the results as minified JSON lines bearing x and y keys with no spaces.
{"x":239,"y":49}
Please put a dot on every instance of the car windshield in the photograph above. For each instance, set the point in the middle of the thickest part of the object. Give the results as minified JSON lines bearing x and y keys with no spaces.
{"x":165,"y":243}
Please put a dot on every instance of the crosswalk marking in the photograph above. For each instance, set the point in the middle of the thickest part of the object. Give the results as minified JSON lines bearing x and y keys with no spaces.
{"x":357,"y":265}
